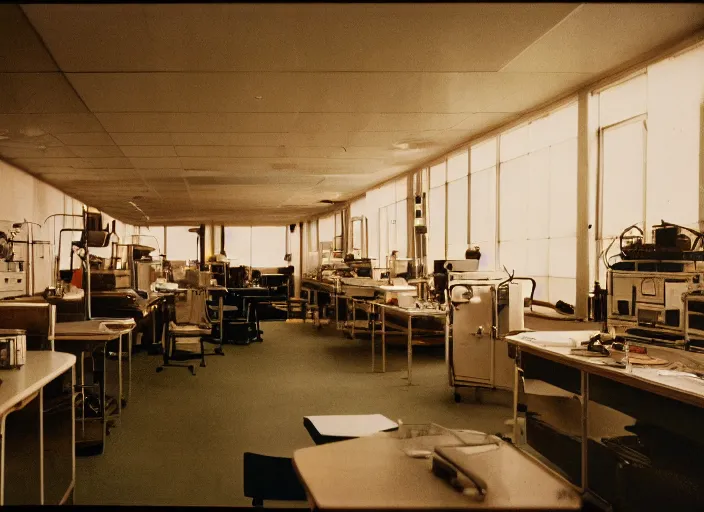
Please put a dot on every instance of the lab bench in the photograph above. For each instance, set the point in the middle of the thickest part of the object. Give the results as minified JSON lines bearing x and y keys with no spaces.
{"x":630,"y":438}
{"x":38,"y":464}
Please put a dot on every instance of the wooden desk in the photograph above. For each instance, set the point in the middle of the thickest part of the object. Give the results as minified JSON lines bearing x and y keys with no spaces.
{"x":83,"y":337}
{"x":28,"y":435}
{"x":373,"y":473}
{"x":409,"y":315}
{"x":673,"y":403}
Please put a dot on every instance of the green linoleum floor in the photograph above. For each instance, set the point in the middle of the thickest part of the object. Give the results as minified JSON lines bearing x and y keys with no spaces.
{"x":182,"y":437}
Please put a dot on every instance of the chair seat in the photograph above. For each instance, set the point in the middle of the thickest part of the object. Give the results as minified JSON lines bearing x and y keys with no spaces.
{"x":187,"y":330}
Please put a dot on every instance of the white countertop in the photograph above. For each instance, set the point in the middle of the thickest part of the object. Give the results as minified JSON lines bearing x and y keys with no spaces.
{"x":373,"y":473}
{"x":682,"y":388}
{"x":42,"y":367}
{"x":94,"y":330}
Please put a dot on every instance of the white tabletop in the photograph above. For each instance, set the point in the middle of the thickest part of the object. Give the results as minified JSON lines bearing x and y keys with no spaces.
{"x":686,"y":389}
{"x":414,"y":311}
{"x":351,"y":425}
{"x":93,"y":329}
{"x":42,"y":367}
{"x":373,"y":473}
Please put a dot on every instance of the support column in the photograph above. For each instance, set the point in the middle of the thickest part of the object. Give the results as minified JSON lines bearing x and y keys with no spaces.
{"x":582,"y":250}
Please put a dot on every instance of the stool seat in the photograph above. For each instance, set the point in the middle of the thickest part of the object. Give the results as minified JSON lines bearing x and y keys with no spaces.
{"x":297,"y":300}
{"x":187,"y":330}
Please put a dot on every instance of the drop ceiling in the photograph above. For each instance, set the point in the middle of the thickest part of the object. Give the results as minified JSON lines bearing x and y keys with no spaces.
{"x":253,"y":114}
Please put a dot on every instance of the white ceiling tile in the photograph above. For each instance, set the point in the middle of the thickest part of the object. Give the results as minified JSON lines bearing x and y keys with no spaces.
{"x":86,"y":139}
{"x":20,"y":47}
{"x":38,"y":93}
{"x":599,"y":37}
{"x":15,"y":150}
{"x":148,"y":151}
{"x":377,"y":37}
{"x":142,"y":139}
{"x":155,"y":162}
{"x":96,"y":151}
{"x":34,"y":125}
{"x":209,"y":122}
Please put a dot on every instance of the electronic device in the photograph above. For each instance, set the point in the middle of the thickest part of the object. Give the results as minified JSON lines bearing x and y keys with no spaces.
{"x":484,"y":307}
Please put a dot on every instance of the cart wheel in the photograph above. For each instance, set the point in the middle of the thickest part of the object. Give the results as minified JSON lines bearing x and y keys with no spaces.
{"x":123,"y":402}
{"x":159,"y":369}
{"x":219,"y":351}
{"x":458,"y":398}
{"x":192,"y":368}
{"x":202,"y":364}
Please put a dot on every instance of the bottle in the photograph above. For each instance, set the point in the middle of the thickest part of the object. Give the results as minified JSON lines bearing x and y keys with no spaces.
{"x":598,"y":303}
{"x":627,"y":359}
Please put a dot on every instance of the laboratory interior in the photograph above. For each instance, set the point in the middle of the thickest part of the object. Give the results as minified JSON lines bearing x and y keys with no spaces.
{"x":339,"y":256}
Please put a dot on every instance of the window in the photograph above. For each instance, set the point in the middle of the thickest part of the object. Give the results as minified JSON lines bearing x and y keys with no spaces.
{"x":436,"y":213}
{"x":181,"y":245}
{"x":537,"y":206}
{"x":152,"y":237}
{"x":326,"y":229}
{"x":482,"y":229}
{"x":268,"y":246}
{"x":457,"y":188}
{"x":238,"y":245}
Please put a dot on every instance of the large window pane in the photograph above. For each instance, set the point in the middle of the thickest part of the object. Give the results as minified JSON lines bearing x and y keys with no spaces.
{"x":268,"y":246}
{"x":515,"y":143}
{"x":563,"y":189}
{"x":153,"y":237}
{"x":436,"y":225}
{"x":438,"y":175}
{"x":483,"y":156}
{"x":402,"y":228}
{"x":238,"y":245}
{"x":513,"y":194}
{"x":326,"y":229}
{"x":623,"y":172}
{"x":623,"y":101}
{"x":675,"y":114}
{"x":457,"y":218}
{"x":457,"y":166}
{"x":483,"y":215}
{"x":181,"y":245}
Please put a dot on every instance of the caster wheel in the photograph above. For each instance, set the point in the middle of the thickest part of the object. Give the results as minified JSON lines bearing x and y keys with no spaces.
{"x":458,"y":398}
{"x":219,"y":351}
{"x":107,"y":432}
{"x":123,"y":403}
{"x":202,"y":364}
{"x":159,"y":369}
{"x":193,"y":369}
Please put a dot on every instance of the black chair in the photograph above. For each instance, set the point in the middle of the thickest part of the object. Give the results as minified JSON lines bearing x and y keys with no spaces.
{"x":270,"y":478}
{"x":176,"y":330}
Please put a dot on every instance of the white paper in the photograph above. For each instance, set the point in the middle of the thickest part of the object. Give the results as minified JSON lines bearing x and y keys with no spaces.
{"x":353,"y":425}
{"x":570,"y":339}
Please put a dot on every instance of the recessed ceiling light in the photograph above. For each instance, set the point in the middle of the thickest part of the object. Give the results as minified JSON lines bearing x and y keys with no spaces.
{"x":412,"y":145}
{"x":257,"y":97}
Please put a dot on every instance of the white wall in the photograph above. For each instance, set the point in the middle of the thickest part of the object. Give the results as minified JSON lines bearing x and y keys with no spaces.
{"x":26,"y":198}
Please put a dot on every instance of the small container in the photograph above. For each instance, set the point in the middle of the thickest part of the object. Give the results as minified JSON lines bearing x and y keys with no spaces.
{"x":13,"y":348}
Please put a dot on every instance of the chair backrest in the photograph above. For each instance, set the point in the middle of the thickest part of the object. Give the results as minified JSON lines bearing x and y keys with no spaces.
{"x":193,"y":309}
{"x":271,"y":478}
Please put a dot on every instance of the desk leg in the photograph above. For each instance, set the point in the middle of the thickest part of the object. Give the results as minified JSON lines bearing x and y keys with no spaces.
{"x":516,"y":379}
{"x":410,"y":348}
{"x":154,"y":326}
{"x":371,"y":312}
{"x":221,"y":314}
{"x":83,"y":394}
{"x":2,"y":459}
{"x":129,"y":365}
{"x":41,"y":446}
{"x":354,"y":316}
{"x":119,"y":377}
{"x":383,"y":340}
{"x":103,"y":404}
{"x":585,"y":428}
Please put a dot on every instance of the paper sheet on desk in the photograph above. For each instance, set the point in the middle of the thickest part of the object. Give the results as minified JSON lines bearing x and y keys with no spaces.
{"x":569,"y":339}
